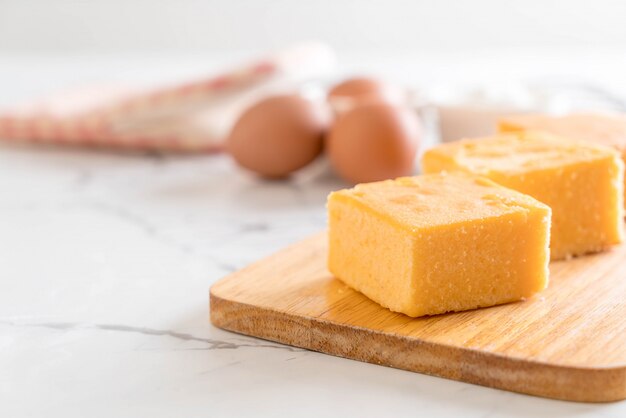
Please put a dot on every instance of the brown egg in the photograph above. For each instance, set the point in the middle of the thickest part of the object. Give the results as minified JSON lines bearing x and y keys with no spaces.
{"x":278,"y":135}
{"x":358,"y":87}
{"x":374,"y":142}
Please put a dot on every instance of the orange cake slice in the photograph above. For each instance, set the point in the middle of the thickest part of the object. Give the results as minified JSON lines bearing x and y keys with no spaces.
{"x":431,"y":244}
{"x":602,"y":128}
{"x":582,"y":182}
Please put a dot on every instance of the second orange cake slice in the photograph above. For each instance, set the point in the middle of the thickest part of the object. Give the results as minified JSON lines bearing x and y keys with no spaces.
{"x":437,"y":243}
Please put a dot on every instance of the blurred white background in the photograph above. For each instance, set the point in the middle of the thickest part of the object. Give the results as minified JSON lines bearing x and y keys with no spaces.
{"x":437,"y":45}
{"x":348,"y":25}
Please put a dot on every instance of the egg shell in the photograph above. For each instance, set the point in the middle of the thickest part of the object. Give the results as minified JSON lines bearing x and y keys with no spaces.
{"x":278,"y":135}
{"x":358,"y":87}
{"x":373,"y":142}
{"x":361,"y":91}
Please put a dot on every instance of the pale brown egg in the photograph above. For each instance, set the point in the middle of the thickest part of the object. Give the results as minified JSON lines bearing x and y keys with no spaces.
{"x":374,"y":142}
{"x":359,"y":88}
{"x":278,"y":135}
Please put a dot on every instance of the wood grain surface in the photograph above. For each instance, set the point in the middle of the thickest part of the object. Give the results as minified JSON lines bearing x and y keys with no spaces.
{"x":569,"y":342}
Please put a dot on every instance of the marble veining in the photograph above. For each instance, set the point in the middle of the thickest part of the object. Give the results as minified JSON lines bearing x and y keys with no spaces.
{"x":211,"y":344}
{"x":105,"y":264}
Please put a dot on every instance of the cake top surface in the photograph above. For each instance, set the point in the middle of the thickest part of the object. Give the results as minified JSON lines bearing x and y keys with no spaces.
{"x":520,"y":152}
{"x":438,"y":199}
{"x":603,"y":128}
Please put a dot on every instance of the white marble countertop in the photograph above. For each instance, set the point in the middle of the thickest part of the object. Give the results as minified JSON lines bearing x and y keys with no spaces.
{"x":105,"y":265}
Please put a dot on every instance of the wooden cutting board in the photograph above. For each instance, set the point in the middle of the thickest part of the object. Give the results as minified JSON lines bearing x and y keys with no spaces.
{"x":568,"y":343}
